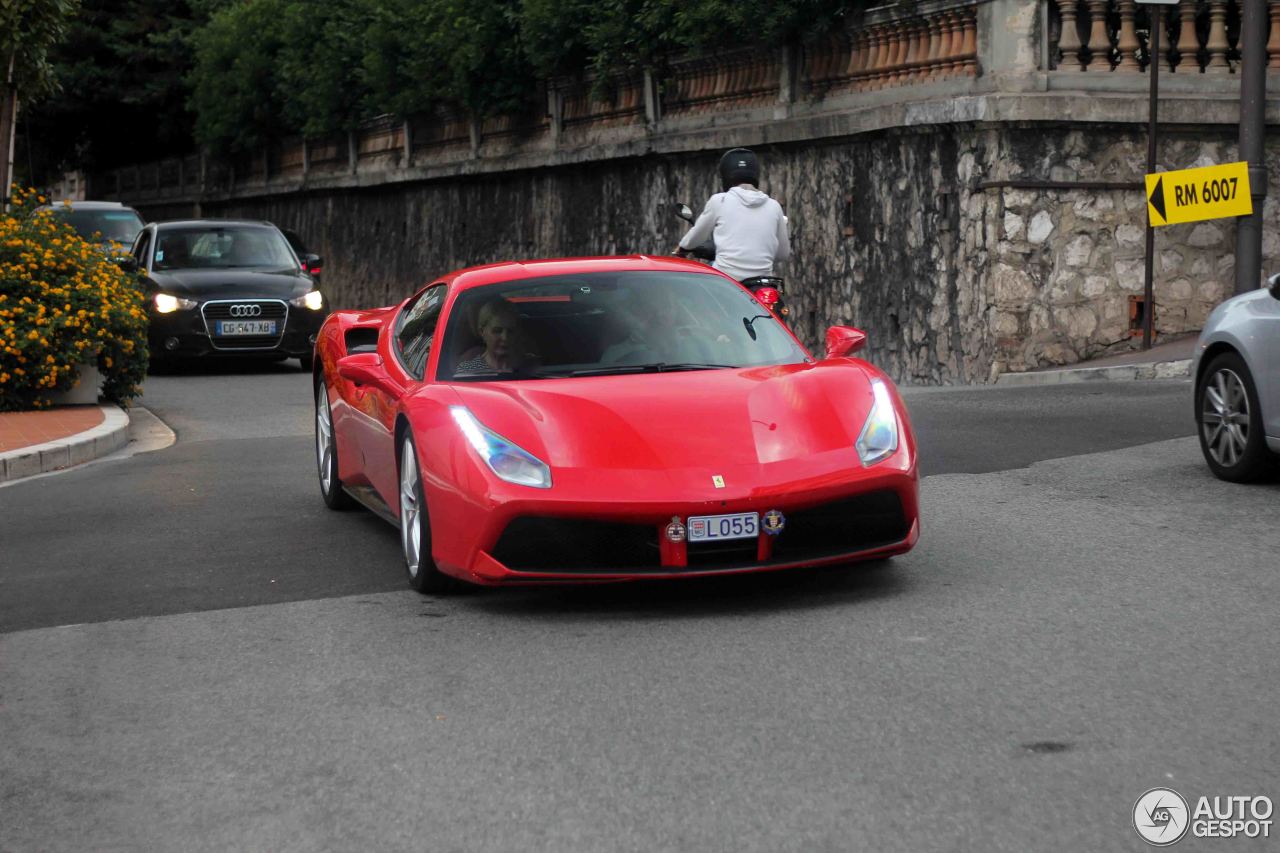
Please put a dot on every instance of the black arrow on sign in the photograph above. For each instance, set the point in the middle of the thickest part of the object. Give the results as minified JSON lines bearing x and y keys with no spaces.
{"x":1157,"y":198}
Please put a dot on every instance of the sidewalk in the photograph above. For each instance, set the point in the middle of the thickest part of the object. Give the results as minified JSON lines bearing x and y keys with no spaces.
{"x":37,"y":442}
{"x":1171,"y":360}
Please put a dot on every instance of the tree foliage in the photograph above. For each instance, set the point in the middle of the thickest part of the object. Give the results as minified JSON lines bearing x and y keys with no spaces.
{"x":28,"y":29}
{"x":122,"y":72}
{"x":235,"y":85}
{"x":255,"y":70}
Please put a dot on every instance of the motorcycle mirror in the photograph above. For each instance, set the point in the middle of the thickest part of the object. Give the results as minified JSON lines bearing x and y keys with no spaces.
{"x":684,"y":211}
{"x":1273,"y":284}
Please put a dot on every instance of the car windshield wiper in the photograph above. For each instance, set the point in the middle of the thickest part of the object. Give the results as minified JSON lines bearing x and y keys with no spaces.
{"x":654,"y":367}
{"x":521,"y":373}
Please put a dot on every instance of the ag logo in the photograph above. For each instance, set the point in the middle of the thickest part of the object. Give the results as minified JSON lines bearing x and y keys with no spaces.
{"x":1161,"y":816}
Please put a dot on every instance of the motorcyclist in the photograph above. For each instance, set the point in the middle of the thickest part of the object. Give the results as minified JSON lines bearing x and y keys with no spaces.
{"x":749,"y":228}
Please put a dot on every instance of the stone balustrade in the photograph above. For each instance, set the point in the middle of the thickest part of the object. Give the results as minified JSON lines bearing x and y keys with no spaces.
{"x":899,"y":52}
{"x":727,"y":81}
{"x":1200,"y":36}
{"x":579,"y":105}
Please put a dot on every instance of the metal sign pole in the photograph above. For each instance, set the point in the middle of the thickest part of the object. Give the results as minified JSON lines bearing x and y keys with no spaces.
{"x":1253,"y":132}
{"x":1153,"y":68}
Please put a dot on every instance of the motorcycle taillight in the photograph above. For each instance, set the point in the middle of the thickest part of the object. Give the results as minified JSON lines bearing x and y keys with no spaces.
{"x":768,"y":296}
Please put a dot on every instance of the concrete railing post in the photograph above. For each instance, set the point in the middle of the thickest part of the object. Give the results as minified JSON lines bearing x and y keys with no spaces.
{"x":652,"y":106}
{"x":1008,"y":43}
{"x":555,"y":109}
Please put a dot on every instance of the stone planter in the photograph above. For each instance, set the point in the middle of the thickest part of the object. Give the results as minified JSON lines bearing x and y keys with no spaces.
{"x":85,"y":391}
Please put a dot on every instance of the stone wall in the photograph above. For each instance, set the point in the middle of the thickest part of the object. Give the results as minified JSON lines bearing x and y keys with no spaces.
{"x":893,"y":231}
{"x":872,"y":246}
{"x":1062,"y":264}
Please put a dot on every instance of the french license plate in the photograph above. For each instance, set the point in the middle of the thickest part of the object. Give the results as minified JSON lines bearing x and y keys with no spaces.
{"x":738,"y":525}
{"x":245,"y":327}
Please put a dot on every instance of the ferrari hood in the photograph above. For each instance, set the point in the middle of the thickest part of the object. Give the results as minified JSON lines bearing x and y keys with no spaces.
{"x":686,"y":420}
{"x":233,"y":283}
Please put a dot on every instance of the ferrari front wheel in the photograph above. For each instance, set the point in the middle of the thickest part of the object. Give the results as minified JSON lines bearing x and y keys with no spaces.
{"x":327,"y":452}
{"x":415,"y":527}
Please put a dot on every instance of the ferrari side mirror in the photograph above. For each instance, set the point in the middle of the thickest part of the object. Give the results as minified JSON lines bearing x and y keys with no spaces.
{"x":365,"y":368}
{"x":844,"y":341}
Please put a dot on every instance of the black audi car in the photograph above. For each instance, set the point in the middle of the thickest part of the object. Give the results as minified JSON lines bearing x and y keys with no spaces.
{"x":227,"y":288}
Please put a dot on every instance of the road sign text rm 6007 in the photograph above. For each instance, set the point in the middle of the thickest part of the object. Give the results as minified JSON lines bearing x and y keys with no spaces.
{"x":1189,"y":195}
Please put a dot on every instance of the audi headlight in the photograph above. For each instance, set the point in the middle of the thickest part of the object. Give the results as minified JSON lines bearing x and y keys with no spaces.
{"x":312,"y":300}
{"x":509,"y":461}
{"x":167,"y":304}
{"x":879,"y":437}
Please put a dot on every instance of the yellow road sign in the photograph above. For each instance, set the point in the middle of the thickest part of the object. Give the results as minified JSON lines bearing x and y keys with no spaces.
{"x":1189,"y":195}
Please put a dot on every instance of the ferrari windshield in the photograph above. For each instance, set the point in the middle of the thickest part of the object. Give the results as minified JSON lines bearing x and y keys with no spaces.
{"x":220,"y":247}
{"x":597,"y":324}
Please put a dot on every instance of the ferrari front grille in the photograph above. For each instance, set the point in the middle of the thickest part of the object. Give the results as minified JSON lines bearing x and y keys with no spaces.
{"x":543,"y":544}
{"x":851,"y":524}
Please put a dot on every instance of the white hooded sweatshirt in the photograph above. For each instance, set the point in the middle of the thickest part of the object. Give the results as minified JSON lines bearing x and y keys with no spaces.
{"x":749,"y":229}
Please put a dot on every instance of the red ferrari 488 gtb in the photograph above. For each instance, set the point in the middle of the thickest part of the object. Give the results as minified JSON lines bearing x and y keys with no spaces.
{"x":608,"y":419}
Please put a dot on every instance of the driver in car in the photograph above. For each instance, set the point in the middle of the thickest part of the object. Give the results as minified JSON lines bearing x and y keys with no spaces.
{"x":498,"y":324}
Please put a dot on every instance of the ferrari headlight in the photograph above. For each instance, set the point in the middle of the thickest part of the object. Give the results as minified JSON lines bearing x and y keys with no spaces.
{"x":509,"y":461}
{"x":312,"y":300}
{"x":879,"y":437}
{"x":167,"y":304}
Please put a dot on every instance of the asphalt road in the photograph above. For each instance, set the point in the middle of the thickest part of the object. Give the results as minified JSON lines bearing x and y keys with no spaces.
{"x":1066,"y":636}
{"x":230,"y":516}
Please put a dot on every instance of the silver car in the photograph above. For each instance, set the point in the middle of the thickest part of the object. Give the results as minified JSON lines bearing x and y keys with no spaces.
{"x":1237,"y":373}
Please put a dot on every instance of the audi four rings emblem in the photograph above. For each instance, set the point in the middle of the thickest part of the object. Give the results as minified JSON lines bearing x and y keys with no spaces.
{"x":246,"y":310}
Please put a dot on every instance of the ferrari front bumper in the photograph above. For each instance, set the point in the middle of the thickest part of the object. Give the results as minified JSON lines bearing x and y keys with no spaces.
{"x":871,"y":517}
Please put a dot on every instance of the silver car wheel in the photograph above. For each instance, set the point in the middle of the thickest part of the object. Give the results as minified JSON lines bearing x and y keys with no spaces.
{"x":410,"y":532}
{"x":324,"y":438}
{"x":1225,"y":417}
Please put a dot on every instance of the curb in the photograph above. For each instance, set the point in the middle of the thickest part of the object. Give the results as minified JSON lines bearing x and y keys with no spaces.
{"x":107,"y":437}
{"x":1118,"y":373}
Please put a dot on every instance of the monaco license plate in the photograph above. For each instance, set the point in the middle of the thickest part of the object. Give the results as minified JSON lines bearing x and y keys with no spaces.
{"x":245,"y":327}
{"x":709,"y":528}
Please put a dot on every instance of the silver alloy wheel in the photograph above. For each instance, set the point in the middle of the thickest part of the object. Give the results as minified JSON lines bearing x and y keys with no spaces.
{"x":324,"y":438}
{"x":410,"y":531}
{"x":1224,"y":418}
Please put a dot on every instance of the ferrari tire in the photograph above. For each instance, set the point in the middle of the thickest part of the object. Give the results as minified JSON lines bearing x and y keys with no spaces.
{"x":327,"y":452}
{"x":1229,"y":421}
{"x":415,"y":528}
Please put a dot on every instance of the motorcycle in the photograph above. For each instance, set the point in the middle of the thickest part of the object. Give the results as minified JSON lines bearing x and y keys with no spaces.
{"x":765,"y":288}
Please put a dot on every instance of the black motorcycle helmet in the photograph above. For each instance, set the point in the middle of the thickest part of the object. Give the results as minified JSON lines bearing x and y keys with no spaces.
{"x":739,"y":166}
